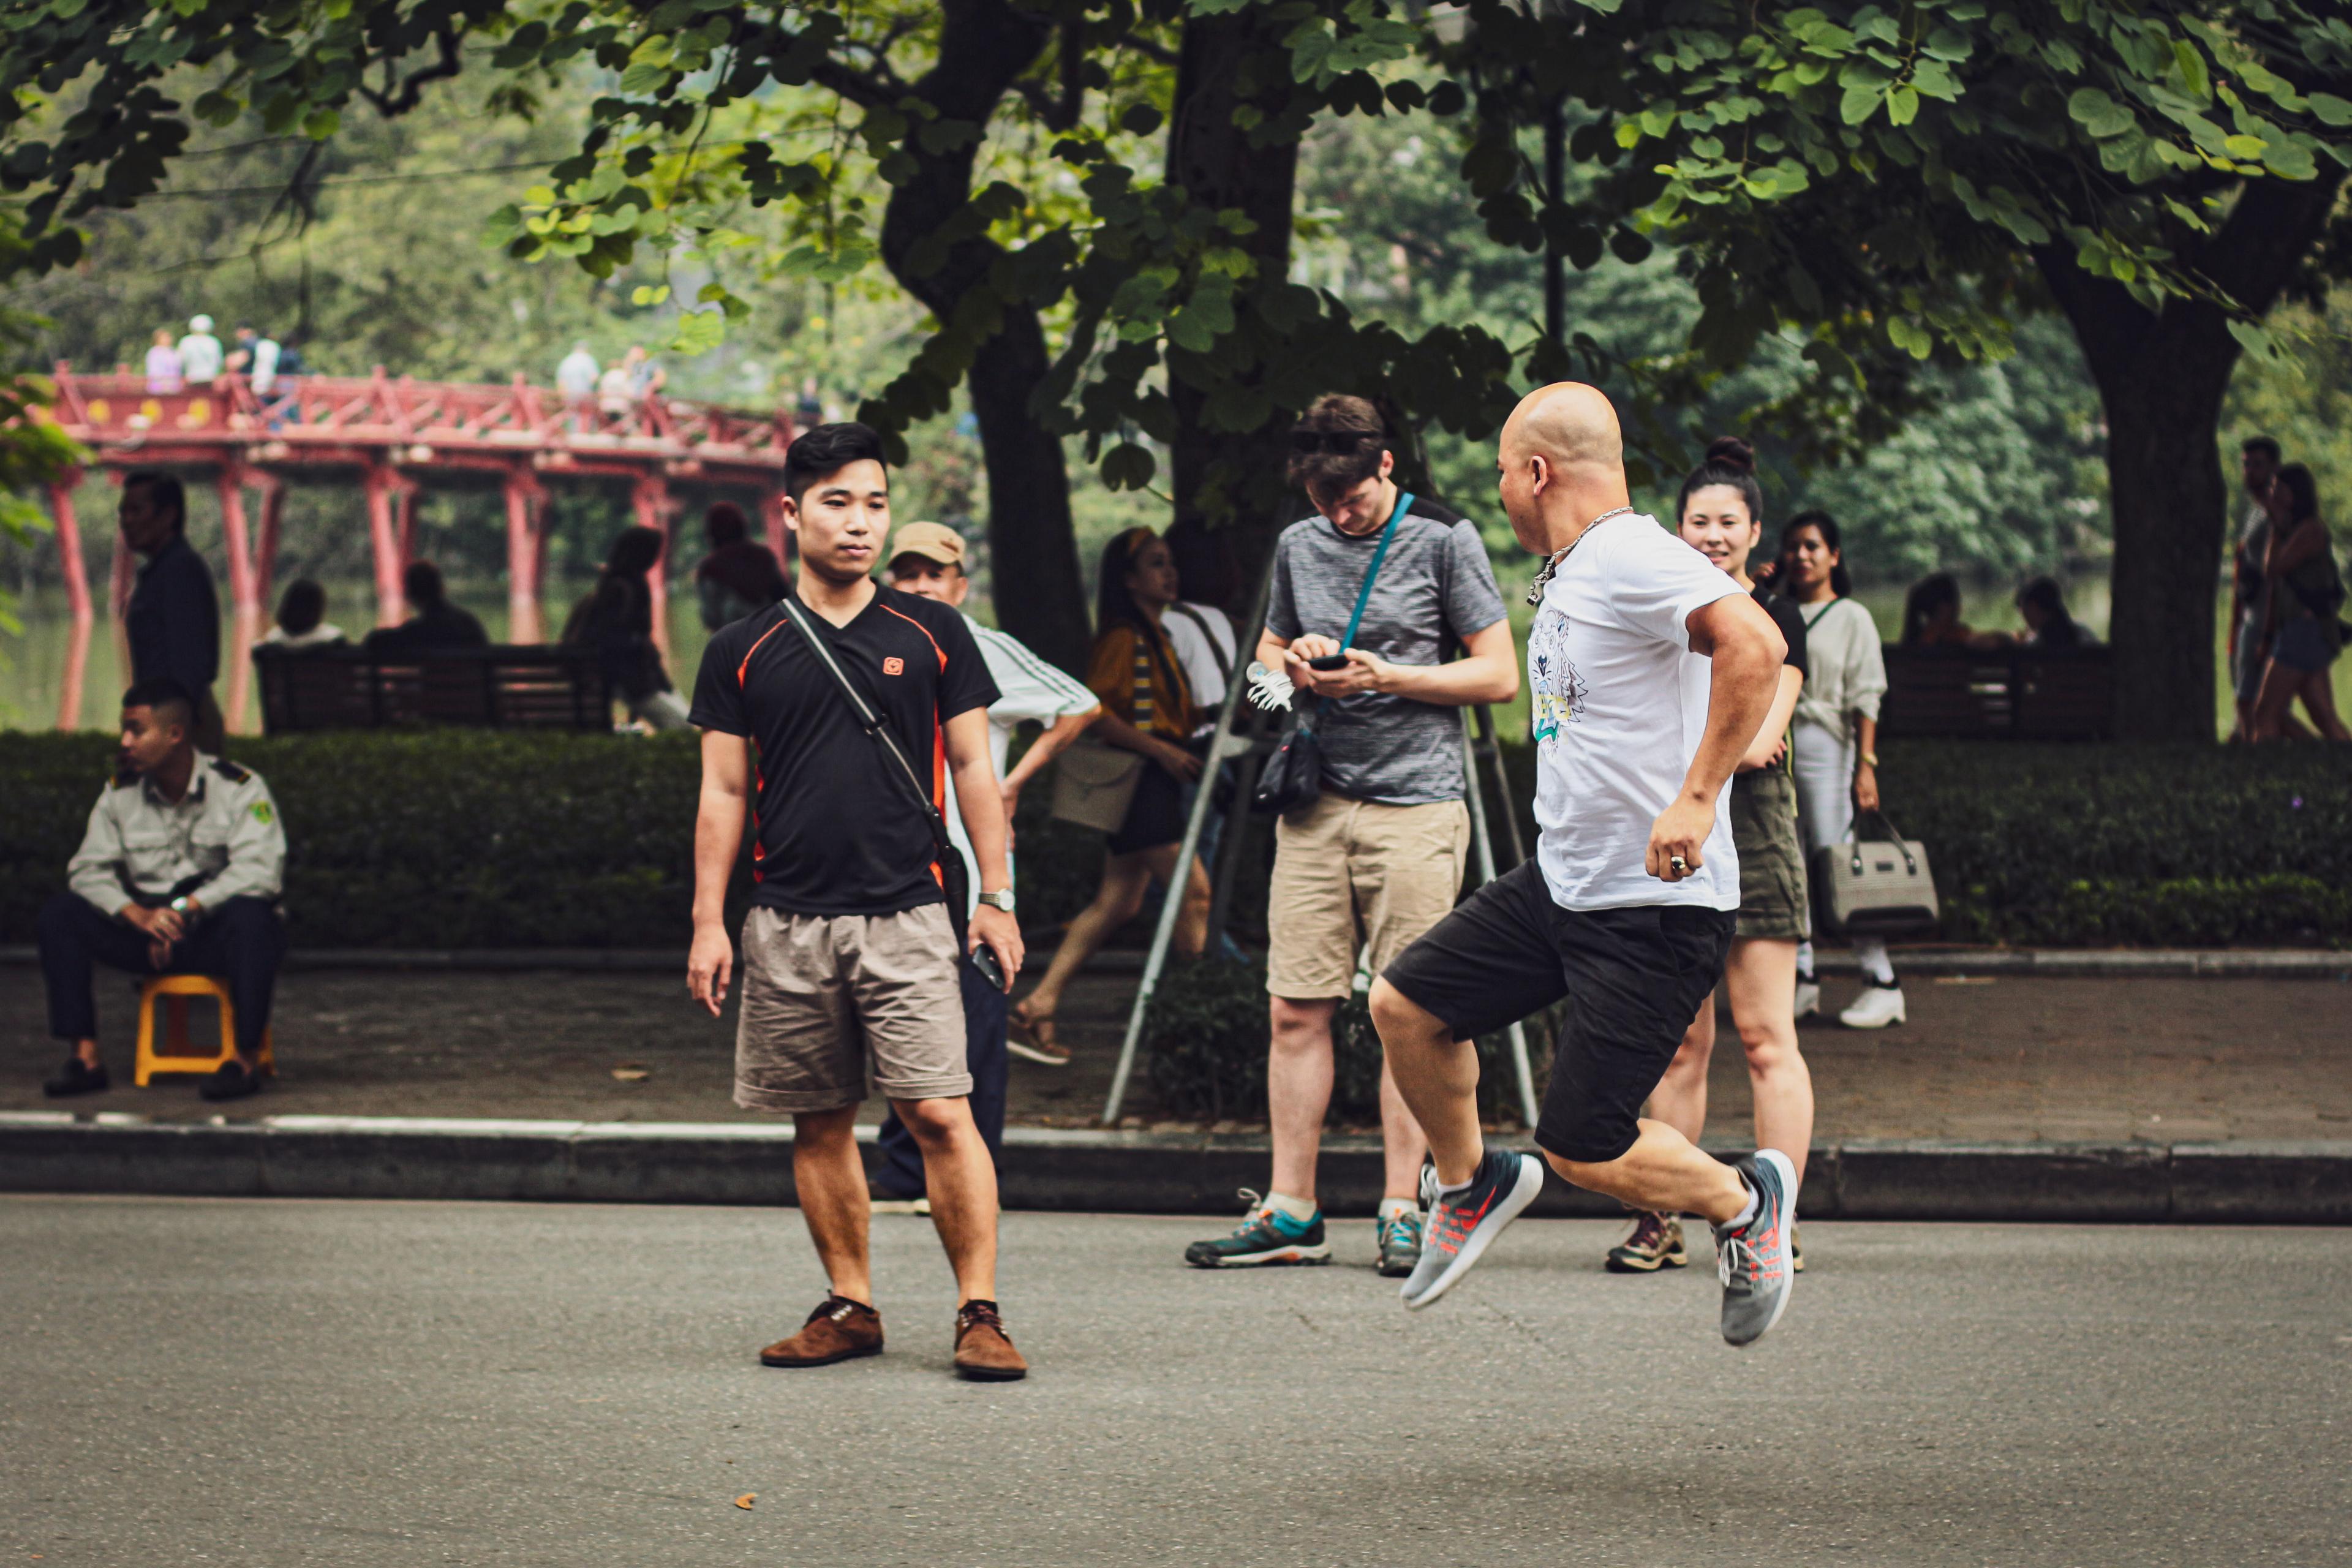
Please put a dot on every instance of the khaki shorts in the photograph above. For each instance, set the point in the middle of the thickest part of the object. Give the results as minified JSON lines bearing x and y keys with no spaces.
{"x":1772,"y":899}
{"x":1349,"y":874}
{"x":825,"y":998}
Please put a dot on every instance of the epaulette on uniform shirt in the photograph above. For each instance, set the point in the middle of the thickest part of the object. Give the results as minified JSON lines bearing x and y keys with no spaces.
{"x":230,"y":770}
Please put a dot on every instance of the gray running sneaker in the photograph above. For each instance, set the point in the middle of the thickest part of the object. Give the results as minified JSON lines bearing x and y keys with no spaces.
{"x":1463,"y":1225}
{"x":1401,"y":1243}
{"x":1752,"y":1262}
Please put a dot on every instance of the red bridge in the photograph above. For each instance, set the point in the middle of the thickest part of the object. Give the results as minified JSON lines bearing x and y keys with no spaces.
{"x":387,"y":436}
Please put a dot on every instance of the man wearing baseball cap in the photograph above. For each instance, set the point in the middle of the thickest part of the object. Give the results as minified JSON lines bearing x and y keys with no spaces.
{"x":928,"y":559}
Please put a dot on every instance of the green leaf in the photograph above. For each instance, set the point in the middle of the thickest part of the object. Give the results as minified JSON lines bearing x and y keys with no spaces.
{"x":2243,"y":146}
{"x":2254,"y":339}
{"x":644,"y":77}
{"x":699,"y":331}
{"x":2098,"y":113}
{"x":1902,"y":106}
{"x":2331,"y":109}
{"x":649,"y":294}
{"x":1858,"y":104}
{"x":1187,"y":330}
{"x":1129,"y":467}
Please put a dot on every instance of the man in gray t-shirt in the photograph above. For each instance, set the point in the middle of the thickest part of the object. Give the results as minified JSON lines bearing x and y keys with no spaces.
{"x":1378,"y":858}
{"x":1381,"y":744}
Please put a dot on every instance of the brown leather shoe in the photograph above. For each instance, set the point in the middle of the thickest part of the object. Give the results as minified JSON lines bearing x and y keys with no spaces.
{"x":983,"y":1352}
{"x":838,"y":1329}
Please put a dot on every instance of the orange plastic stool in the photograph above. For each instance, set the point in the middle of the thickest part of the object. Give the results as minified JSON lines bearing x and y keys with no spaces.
{"x":174,"y":991}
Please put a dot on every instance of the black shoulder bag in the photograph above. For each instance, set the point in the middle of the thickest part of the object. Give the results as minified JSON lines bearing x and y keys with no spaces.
{"x":954,"y":880}
{"x":1293,"y":778}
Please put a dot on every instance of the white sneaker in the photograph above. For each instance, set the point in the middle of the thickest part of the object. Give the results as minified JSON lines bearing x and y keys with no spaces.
{"x":1809,"y":999}
{"x":1877,"y":1006}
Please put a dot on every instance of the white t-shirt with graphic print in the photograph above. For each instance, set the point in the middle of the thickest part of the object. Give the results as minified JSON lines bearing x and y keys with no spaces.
{"x":1620,"y":706}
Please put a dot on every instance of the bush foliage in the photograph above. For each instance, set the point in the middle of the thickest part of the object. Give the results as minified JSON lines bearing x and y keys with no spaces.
{"x":1205,"y":1037}
{"x":458,"y":839}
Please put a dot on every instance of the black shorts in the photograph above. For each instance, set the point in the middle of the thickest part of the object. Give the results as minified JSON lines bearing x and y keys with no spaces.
{"x":1636,"y":977}
{"x":1156,"y":814}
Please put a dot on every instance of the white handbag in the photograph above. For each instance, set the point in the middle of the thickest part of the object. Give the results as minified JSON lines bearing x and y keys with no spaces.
{"x":1876,"y":886}
{"x":1095,"y":784}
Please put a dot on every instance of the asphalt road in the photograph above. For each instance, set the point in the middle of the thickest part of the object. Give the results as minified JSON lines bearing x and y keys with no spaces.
{"x":277,"y":1382}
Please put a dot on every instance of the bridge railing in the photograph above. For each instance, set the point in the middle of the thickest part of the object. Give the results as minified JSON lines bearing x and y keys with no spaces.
{"x":327,"y":409}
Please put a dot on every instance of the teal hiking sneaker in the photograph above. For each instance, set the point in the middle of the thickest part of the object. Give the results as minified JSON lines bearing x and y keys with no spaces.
{"x":1266,"y":1236}
{"x":1400,"y":1242}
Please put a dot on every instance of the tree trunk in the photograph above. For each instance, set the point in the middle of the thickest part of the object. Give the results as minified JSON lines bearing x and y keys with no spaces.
{"x":1040,"y":593}
{"x":1233,"y":479}
{"x":2162,"y":377}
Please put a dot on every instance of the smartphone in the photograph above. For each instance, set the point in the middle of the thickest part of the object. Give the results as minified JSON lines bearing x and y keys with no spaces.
{"x":983,"y":958}
{"x":1329,"y":661}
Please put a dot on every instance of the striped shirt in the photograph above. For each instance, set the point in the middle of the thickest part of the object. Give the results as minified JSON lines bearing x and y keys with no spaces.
{"x":1028,"y":690}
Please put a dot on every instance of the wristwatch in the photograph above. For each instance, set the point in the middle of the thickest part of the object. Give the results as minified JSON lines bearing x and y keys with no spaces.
{"x":1002,"y":900}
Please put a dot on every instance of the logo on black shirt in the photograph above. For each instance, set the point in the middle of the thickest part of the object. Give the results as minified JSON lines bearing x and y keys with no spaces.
{"x":894,"y":665}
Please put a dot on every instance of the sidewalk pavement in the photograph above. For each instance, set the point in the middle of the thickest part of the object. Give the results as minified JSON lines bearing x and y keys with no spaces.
{"x":2122,"y":1074}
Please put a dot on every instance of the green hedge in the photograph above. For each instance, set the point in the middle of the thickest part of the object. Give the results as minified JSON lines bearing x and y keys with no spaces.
{"x":2091,"y":845}
{"x":458,"y":840}
{"x":1205,"y":1039}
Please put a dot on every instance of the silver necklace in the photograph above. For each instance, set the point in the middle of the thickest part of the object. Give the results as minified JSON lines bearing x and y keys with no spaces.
{"x":1552,"y":563}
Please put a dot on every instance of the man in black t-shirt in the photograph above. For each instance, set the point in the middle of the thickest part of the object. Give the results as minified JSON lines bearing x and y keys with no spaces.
{"x":849,"y":956}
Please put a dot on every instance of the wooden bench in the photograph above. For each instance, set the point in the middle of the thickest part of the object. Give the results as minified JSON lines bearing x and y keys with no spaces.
{"x":1998,"y":694}
{"x":530,"y":686}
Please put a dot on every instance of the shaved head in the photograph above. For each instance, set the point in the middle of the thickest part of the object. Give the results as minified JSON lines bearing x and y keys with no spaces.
{"x":1568,"y":423}
{"x":1561,"y":462}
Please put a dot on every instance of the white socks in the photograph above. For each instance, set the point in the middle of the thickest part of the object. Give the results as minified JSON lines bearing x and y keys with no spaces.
{"x":1393,"y":1208}
{"x":1872,"y":956}
{"x":1744,"y":1215}
{"x":1300,"y":1209}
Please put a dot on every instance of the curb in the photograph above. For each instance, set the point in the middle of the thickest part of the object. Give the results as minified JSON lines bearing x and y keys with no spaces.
{"x":1104,"y":1171}
{"x":2281,"y":964}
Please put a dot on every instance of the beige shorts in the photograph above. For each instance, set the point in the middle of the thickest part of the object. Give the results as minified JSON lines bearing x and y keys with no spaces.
{"x":826,"y":997}
{"x":1348,"y":874}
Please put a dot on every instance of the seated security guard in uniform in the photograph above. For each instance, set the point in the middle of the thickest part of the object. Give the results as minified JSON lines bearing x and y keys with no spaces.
{"x":178,"y":875}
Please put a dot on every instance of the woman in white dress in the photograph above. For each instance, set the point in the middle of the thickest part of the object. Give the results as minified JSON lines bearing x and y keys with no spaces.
{"x":1833,"y":745}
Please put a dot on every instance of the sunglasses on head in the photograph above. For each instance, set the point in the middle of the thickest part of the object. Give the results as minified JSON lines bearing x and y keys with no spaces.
{"x":1340,"y":443}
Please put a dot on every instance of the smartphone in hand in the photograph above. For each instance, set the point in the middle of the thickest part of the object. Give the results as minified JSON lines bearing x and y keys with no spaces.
{"x":983,"y":958}
{"x":1329,"y":661}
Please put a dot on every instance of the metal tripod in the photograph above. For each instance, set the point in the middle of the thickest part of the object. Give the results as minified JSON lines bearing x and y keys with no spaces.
{"x":1250,"y":746}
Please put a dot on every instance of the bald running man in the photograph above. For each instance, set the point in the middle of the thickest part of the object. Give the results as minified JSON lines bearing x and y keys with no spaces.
{"x":1628,"y":905}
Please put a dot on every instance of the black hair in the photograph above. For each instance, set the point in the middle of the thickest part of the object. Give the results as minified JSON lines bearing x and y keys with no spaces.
{"x":166,"y":698}
{"x":1322,"y":473}
{"x":2305,"y":490}
{"x":1729,"y":461}
{"x":421,"y":585}
{"x":725,"y":523}
{"x":1114,"y":604}
{"x":2044,"y":594}
{"x":1927,"y":596}
{"x":164,"y":489}
{"x":634,"y":553}
{"x":1840,"y":580}
{"x":302,"y":607}
{"x":825,"y":450}
{"x":2266,"y":444}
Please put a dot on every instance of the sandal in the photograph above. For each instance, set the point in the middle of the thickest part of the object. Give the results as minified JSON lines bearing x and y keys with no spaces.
{"x":1032,"y":1039}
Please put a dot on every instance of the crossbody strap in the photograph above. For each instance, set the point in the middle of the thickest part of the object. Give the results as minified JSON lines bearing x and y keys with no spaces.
{"x":872,"y":724}
{"x":1364,"y":593}
{"x":1225,"y":664}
